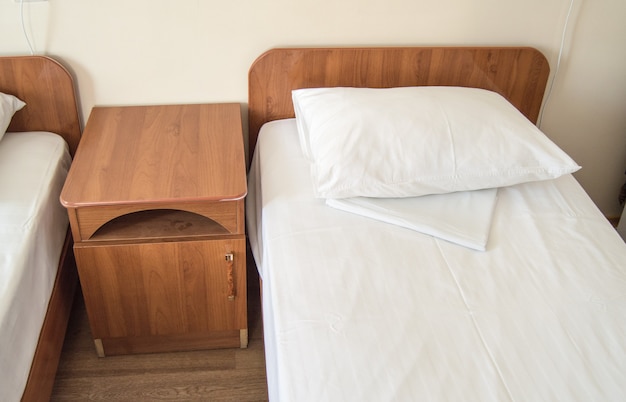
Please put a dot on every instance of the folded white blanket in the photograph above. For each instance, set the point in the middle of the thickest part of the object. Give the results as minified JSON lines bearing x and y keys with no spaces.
{"x":463,"y":217}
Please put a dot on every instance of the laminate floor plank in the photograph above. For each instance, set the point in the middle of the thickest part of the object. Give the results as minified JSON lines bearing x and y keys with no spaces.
{"x":208,"y":375}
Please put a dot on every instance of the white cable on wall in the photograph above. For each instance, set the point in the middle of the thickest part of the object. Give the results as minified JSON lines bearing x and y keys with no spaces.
{"x":558,"y":63}
{"x":30,"y":46}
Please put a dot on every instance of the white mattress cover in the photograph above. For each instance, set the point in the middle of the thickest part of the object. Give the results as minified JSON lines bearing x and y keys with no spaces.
{"x":33,"y":224}
{"x":356,"y":309}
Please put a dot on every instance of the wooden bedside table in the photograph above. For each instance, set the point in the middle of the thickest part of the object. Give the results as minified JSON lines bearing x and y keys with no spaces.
{"x":155,"y":198}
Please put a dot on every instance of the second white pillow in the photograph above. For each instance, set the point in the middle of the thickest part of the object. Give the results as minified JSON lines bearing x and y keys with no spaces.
{"x":9,"y":104}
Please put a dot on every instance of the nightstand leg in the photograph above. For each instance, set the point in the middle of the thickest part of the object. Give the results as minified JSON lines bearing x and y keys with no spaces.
{"x":99,"y":347}
{"x":243,"y":337}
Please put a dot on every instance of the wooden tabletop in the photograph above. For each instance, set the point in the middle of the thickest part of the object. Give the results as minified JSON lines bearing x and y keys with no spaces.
{"x":156,"y":154}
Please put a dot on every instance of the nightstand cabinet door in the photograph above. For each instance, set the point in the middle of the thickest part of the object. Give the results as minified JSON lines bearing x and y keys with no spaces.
{"x":150,"y":297}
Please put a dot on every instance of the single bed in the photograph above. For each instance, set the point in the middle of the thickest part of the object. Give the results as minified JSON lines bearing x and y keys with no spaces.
{"x":355,"y":308}
{"x":36,"y":259}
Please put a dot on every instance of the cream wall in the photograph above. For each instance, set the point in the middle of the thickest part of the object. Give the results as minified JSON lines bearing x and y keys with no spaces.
{"x":177,"y":51}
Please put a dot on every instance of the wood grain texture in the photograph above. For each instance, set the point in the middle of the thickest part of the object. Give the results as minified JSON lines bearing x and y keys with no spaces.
{"x":163,"y":296}
{"x":155,"y":201}
{"x":48,"y":89}
{"x":156,"y":154}
{"x":518,"y":73}
{"x":236,"y":375}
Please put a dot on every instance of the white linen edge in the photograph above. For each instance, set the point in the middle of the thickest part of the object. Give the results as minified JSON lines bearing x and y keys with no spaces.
{"x":463,"y":218}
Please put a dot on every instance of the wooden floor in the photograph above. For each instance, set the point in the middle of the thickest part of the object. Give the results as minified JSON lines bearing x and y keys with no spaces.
{"x":215,"y":375}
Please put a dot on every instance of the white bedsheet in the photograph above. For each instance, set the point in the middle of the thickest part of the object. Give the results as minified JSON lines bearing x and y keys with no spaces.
{"x":33,"y":224}
{"x":360,"y":310}
{"x":463,"y":217}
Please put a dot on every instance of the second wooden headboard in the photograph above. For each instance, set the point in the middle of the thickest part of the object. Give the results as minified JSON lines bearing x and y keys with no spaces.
{"x":50,"y":95}
{"x":519,"y":74}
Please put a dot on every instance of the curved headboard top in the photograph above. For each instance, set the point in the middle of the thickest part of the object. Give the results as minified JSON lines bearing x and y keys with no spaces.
{"x":50,"y":96}
{"x":519,"y":74}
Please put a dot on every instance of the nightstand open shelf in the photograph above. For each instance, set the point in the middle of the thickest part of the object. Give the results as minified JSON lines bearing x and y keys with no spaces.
{"x":158,"y":224}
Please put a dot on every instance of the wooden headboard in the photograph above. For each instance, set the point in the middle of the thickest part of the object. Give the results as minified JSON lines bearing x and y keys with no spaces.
{"x":519,"y":74}
{"x":50,"y":96}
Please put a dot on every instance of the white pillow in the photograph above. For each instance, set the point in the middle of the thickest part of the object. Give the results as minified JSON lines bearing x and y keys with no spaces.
{"x":412,"y":141}
{"x":9,"y":104}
